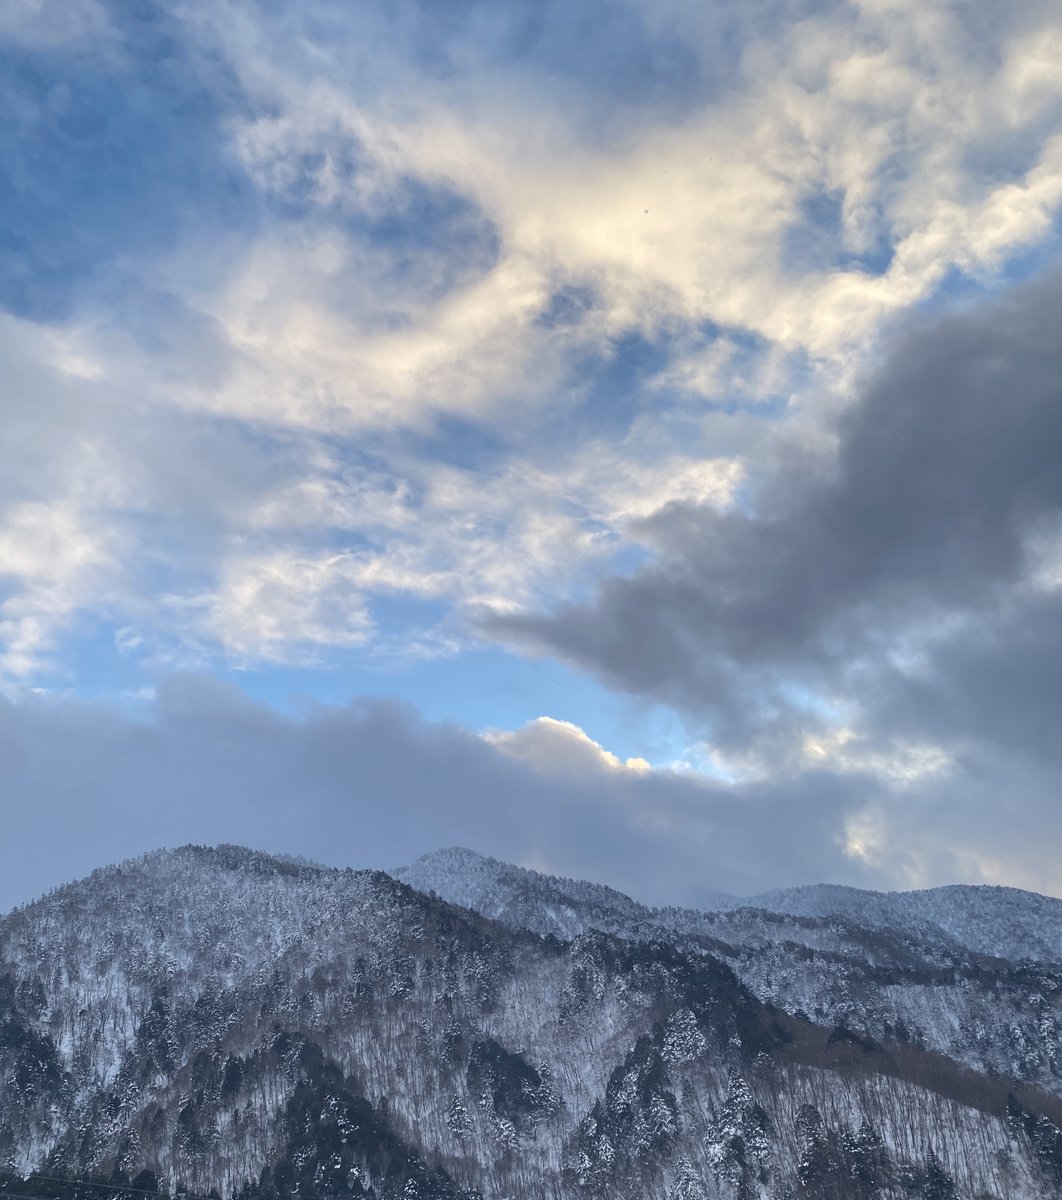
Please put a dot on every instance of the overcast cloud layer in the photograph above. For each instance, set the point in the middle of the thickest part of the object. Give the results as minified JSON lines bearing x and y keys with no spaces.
{"x":371,"y":784}
{"x":711,"y":350}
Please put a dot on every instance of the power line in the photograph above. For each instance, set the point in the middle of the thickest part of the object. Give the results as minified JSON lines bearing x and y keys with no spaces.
{"x":124,"y":1189}
{"x":117,"y":1189}
{"x":114,"y":1188}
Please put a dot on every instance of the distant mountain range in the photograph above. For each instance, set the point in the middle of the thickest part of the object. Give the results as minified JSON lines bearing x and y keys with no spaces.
{"x":994,"y":921}
{"x":220,"y":1019}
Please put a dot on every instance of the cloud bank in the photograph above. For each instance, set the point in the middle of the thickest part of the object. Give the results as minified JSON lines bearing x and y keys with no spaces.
{"x":371,"y":784}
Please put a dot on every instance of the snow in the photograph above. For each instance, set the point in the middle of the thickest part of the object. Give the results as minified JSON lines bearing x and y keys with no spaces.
{"x":206,"y":954}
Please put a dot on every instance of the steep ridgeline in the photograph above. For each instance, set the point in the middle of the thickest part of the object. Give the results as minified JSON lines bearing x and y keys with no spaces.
{"x":970,"y":972}
{"x":220,"y":1019}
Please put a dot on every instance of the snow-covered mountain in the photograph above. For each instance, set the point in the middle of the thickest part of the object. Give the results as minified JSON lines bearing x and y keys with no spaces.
{"x":1004,"y":922}
{"x":993,"y":921}
{"x":218,"y":1018}
{"x":970,"y":972}
{"x":521,"y":898}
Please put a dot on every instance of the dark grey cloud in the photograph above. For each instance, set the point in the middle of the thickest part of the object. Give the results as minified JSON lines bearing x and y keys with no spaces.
{"x":373,"y":784}
{"x":895,"y":576}
{"x":907,"y":587}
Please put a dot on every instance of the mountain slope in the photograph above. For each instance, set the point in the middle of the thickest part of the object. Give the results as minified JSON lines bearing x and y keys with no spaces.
{"x":522,"y":898}
{"x":989,"y":921}
{"x":877,"y":965}
{"x":997,"y":921}
{"x":220,"y":1018}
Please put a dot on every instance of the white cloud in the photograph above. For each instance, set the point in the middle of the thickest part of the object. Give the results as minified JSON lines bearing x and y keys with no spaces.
{"x":904,"y":140}
{"x":690,"y":219}
{"x":49,"y":560}
{"x":316,"y":349}
{"x":459,"y":535}
{"x":901,"y":765}
{"x":54,"y":24}
{"x":287,"y":604}
{"x":560,"y":747}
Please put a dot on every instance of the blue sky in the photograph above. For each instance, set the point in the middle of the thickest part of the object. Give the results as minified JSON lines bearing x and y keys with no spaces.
{"x":403,"y":351}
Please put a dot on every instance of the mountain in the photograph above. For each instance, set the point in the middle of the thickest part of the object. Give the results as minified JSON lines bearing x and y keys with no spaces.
{"x":969,"y":972}
{"x":215,"y":1018}
{"x":991,"y":921}
{"x":998,"y":921}
{"x":525,"y":899}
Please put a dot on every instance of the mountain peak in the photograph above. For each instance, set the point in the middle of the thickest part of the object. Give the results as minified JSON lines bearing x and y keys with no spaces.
{"x":447,"y":856}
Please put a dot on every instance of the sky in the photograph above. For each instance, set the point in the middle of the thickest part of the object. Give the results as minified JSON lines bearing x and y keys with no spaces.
{"x":621,"y":438}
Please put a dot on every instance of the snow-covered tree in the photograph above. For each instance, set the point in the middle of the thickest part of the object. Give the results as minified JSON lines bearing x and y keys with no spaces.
{"x":683,"y":1039}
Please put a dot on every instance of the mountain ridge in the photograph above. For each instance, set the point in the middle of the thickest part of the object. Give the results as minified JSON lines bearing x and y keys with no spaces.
{"x":431,"y":871}
{"x":265,"y":1026}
